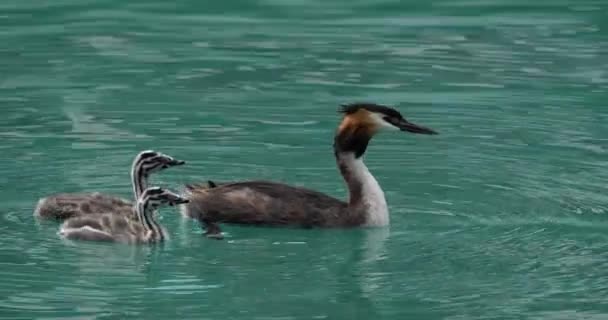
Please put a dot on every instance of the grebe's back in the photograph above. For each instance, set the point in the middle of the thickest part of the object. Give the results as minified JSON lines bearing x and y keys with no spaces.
{"x":267,"y":203}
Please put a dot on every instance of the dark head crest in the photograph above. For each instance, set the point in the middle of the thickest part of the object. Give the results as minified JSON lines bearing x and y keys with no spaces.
{"x":371,"y":107}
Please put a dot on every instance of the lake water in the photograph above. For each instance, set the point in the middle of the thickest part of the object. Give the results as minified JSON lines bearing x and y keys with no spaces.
{"x":503,"y":215}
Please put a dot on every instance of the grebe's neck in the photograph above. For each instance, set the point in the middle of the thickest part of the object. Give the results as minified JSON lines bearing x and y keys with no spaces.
{"x":139,"y":179}
{"x":365,"y":194}
{"x":145,"y":214}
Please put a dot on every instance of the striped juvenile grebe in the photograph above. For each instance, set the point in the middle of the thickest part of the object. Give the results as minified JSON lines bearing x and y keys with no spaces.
{"x":277,"y":204}
{"x":66,"y":205}
{"x":113,"y":227}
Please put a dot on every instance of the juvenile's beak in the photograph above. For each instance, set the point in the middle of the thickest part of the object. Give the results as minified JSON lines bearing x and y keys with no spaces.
{"x":176,"y":162}
{"x":181,"y":201}
{"x":405,"y":125}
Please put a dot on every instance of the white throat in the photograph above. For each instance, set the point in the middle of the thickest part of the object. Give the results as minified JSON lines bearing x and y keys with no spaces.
{"x":372,"y":196}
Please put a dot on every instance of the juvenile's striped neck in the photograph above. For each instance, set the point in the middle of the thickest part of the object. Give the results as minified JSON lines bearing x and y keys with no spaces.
{"x":145,"y":214}
{"x":139,"y":179}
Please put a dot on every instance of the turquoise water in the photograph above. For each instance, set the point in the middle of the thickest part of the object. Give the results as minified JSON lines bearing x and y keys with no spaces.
{"x":501,"y":216}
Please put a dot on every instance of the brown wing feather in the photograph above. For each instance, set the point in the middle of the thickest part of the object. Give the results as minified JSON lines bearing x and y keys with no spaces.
{"x":66,"y":205}
{"x":118,"y":228}
{"x":267,"y":203}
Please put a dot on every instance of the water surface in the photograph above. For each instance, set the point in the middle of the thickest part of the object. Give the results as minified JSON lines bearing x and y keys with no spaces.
{"x":501,"y":216}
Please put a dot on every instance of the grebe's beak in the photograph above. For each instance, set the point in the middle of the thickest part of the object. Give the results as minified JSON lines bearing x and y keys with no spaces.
{"x":405,"y":125}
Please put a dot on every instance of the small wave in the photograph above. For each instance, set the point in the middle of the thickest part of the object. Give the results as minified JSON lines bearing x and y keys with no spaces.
{"x":288,"y":123}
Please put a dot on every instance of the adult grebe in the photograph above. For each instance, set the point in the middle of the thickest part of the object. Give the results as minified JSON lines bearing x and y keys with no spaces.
{"x":66,"y":205}
{"x":276,"y":204}
{"x":115,"y":227}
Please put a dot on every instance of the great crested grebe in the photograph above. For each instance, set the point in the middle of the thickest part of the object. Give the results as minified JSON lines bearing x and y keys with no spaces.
{"x":276,"y":204}
{"x":66,"y":205}
{"x":115,"y":227}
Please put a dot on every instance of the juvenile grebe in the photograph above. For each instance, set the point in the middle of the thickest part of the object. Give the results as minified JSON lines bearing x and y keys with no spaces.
{"x":276,"y":204}
{"x":66,"y":205}
{"x":116,"y":227}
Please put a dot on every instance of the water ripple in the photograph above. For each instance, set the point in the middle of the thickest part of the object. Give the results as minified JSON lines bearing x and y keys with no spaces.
{"x":502,"y":215}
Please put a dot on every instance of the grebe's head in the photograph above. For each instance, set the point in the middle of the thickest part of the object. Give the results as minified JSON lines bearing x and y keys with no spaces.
{"x":152,"y":161}
{"x":373,"y":118}
{"x":362,"y":121}
{"x":156,"y":197}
